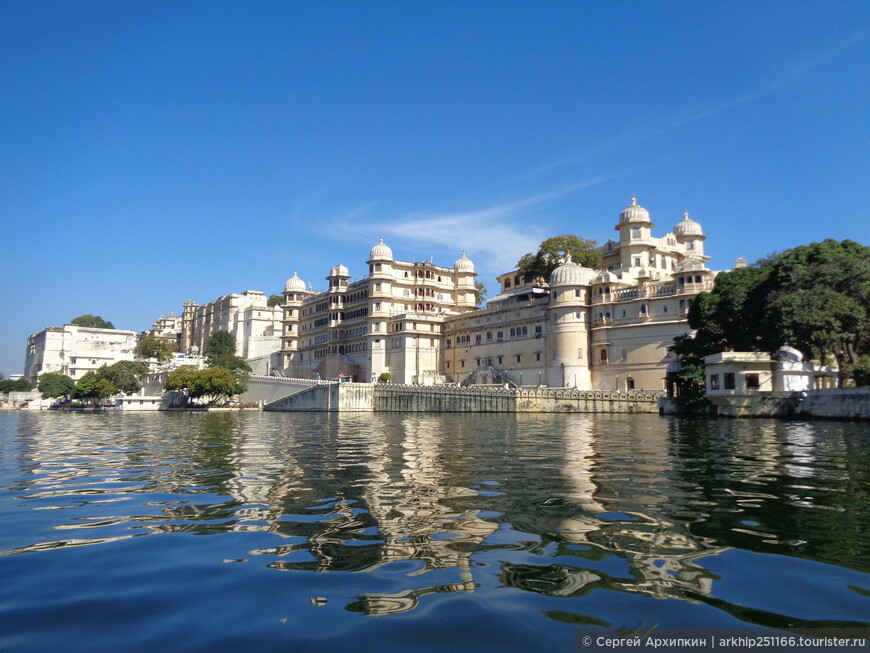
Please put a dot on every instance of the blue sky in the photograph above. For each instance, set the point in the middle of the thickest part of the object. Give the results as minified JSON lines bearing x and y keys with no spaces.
{"x":157,"y":151}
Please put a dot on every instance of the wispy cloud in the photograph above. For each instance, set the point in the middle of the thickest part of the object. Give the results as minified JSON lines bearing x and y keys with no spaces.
{"x":789,"y":75}
{"x":495,"y":236}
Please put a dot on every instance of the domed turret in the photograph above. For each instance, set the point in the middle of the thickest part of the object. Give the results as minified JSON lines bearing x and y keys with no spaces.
{"x":339,"y":271}
{"x":687,"y":227}
{"x":294,"y":283}
{"x":571,"y":274}
{"x":463,"y":264}
{"x":634,"y":212}
{"x":381,"y":252}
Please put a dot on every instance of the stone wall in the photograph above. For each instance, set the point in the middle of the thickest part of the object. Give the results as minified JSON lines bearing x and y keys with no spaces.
{"x":830,"y":403}
{"x":356,"y":397}
{"x":839,"y":403}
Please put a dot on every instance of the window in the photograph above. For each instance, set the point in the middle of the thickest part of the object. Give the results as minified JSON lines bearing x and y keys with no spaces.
{"x":477,"y":339}
{"x":635,"y":232}
{"x":539,"y":329}
{"x":580,"y":354}
{"x":519,"y":358}
{"x":752,"y":381}
{"x":728,"y":378}
{"x":537,"y":356}
{"x":603,"y":356}
{"x":629,"y":383}
{"x":714,"y":382}
{"x":637,"y":261}
{"x":489,"y":335}
{"x":500,"y":360}
{"x":507,"y":284}
{"x":643,"y":309}
{"x":462,"y":363}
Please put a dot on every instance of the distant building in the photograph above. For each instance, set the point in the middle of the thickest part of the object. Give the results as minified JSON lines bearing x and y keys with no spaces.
{"x":389,"y":321}
{"x":247,"y":316}
{"x":75,"y":350}
{"x":166,"y":328}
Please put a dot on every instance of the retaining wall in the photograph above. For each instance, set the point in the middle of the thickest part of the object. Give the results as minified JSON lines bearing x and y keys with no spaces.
{"x":832,"y":403}
{"x":364,"y":397}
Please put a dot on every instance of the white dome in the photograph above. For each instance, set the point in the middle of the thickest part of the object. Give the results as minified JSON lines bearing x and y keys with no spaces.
{"x":463,"y":264}
{"x":381,"y":252}
{"x":687,"y":227}
{"x":634,"y":213}
{"x":571,"y":274}
{"x":294,"y":283}
{"x":787,"y":353}
{"x":339,"y":271}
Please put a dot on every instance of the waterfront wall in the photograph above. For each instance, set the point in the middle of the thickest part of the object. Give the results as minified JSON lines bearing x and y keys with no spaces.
{"x":831,"y":403}
{"x":364,"y":397}
{"x":841,"y":403}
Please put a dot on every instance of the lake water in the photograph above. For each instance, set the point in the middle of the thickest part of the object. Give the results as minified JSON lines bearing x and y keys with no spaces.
{"x":389,"y":532}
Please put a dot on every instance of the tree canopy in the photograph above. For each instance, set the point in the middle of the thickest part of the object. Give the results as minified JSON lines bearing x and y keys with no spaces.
{"x":215,"y":384}
{"x":18,"y":385}
{"x":154,"y":347}
{"x":221,"y":343}
{"x":94,"y":321}
{"x":815,"y":298}
{"x":53,"y":384}
{"x":479,"y":294}
{"x":124,"y":375}
{"x":94,"y":387}
{"x":540,"y":265}
{"x":275,"y":300}
{"x":221,"y":352}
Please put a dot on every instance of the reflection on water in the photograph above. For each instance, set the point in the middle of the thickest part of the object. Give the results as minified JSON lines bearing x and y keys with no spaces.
{"x":554,"y":515}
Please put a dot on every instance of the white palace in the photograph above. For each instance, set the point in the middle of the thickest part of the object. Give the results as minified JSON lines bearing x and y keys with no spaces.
{"x":589,"y":329}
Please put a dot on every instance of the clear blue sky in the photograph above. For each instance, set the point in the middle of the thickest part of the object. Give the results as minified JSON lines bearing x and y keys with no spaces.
{"x":157,"y":151}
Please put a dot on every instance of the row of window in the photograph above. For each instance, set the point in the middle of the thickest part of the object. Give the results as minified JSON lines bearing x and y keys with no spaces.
{"x":729,"y":380}
{"x":499,"y":360}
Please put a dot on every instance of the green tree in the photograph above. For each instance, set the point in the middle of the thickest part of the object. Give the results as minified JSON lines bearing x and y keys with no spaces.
{"x":53,"y":384}
{"x":18,"y":385}
{"x":275,"y":300}
{"x":479,"y":294}
{"x":215,"y":384}
{"x":124,"y":375}
{"x":233,"y":363}
{"x":221,"y":343}
{"x":92,"y":386}
{"x":814,"y":297}
{"x":154,"y":347}
{"x":540,"y":265}
{"x":179,"y":380}
{"x":94,"y":321}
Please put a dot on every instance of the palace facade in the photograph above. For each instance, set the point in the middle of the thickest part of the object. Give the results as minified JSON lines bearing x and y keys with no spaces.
{"x":588,"y":329}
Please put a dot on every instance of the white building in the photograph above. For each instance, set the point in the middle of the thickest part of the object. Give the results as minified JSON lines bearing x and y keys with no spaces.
{"x":390,"y":321}
{"x":255,"y":325}
{"x":75,"y":350}
{"x":606,"y":329}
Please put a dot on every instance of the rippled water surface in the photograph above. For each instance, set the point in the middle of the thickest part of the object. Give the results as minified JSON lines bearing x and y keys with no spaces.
{"x":388,"y":532}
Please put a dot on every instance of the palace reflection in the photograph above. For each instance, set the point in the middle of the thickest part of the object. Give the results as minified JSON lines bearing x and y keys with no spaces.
{"x":558,"y":505}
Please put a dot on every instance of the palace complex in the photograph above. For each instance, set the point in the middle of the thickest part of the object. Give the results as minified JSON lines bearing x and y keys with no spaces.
{"x":601,"y":329}
{"x":589,"y":329}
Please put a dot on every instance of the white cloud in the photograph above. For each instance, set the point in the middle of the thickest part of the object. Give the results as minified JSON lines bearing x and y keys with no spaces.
{"x":494,"y":237}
